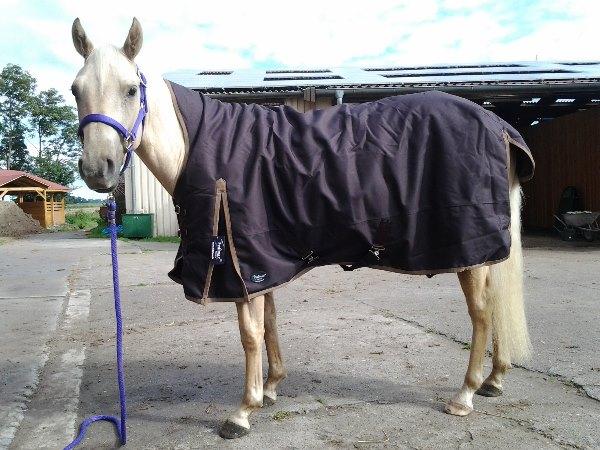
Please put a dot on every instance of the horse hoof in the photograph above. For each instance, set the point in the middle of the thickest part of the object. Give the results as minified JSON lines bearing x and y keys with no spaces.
{"x":268,"y":401}
{"x":230,"y":430}
{"x":488,"y":390}
{"x":457,"y":409}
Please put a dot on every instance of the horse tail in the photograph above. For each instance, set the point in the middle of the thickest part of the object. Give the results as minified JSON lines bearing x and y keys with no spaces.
{"x":504,"y":290}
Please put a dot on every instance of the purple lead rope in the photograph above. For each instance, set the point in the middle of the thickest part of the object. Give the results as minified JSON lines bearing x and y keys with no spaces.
{"x":120,"y":424}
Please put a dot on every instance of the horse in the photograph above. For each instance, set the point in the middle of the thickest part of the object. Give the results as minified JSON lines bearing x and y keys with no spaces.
{"x":109,"y":83}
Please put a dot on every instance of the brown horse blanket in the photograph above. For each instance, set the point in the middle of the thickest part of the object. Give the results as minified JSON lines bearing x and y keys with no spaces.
{"x":414,"y":183}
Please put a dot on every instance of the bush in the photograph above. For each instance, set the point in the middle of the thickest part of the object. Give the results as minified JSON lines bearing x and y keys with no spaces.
{"x":83,"y":220}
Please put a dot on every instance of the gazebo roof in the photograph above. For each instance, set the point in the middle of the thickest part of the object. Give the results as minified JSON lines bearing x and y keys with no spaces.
{"x":18,"y":178}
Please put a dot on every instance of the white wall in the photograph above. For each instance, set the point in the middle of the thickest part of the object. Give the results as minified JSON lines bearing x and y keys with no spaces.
{"x":150,"y":197}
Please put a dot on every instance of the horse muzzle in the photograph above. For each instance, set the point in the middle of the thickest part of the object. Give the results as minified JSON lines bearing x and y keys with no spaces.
{"x":101,"y":176}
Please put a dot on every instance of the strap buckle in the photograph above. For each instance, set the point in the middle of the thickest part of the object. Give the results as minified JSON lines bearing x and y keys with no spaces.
{"x":129,"y":141}
{"x":375,"y":250}
{"x":310,"y":257}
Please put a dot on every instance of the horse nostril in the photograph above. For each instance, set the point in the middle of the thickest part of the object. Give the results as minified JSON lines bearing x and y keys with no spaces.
{"x":111,"y":165}
{"x":80,"y":166}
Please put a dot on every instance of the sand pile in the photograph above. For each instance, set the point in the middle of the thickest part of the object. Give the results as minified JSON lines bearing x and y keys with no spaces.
{"x":15,"y":222}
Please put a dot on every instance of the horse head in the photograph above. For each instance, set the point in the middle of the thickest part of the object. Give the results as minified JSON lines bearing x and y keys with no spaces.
{"x":110,"y":95}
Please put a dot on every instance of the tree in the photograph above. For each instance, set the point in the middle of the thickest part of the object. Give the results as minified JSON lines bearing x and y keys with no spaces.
{"x":75,"y":199}
{"x":54,"y":122}
{"x":58,"y":171}
{"x":22,"y":113}
{"x":16,"y":91}
{"x":56,"y":126}
{"x":13,"y":150}
{"x":64,"y":145}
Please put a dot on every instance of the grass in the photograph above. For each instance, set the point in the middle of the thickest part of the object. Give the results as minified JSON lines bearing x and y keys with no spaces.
{"x":171,"y":239}
{"x":88,"y":218}
{"x":96,"y":232}
{"x":168,"y":239}
{"x":81,"y":219}
{"x":74,"y":207}
{"x":282,"y":415}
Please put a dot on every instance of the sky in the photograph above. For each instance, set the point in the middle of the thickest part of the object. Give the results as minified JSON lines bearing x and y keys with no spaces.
{"x":225,"y":35}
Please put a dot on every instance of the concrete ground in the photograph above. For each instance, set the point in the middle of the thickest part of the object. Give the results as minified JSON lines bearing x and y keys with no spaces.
{"x":371,"y":355}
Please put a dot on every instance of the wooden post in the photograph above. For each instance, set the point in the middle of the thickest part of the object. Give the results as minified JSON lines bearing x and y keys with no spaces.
{"x":52,"y":206}
{"x":45,"y":205}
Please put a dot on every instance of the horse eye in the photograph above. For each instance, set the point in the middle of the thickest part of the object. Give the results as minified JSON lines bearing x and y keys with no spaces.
{"x":132,"y":91}
{"x":74,"y":91}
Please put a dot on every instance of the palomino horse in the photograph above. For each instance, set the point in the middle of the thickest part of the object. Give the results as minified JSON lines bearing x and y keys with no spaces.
{"x":109,"y":83}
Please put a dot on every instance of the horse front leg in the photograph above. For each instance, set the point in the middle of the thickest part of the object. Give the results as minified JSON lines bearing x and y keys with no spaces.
{"x":277,"y":371}
{"x":251,"y":322}
{"x":472,"y":283}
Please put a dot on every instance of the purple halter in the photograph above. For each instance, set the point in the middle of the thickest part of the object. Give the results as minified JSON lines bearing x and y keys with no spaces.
{"x":129,"y":136}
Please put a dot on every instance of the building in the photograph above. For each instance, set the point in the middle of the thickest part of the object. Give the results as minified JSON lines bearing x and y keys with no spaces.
{"x":553,"y":104}
{"x":44,"y":200}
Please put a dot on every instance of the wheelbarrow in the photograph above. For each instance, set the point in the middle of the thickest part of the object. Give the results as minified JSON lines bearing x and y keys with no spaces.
{"x":573,"y":224}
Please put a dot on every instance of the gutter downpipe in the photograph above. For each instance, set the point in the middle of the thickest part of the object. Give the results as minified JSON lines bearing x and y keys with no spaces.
{"x":339,"y":96}
{"x":133,"y":181}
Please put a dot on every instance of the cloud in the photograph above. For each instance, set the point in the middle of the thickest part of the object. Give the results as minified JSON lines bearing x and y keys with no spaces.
{"x":241,"y":34}
{"x":228,"y":34}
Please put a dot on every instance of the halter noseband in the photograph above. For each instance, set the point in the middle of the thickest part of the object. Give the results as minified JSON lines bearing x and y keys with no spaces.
{"x":129,"y":136}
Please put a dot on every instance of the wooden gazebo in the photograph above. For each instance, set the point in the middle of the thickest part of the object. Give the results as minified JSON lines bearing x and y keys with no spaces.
{"x":43,"y":199}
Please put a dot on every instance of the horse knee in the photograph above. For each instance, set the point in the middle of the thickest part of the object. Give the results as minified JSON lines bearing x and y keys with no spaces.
{"x":252,"y":342}
{"x":479,"y":310}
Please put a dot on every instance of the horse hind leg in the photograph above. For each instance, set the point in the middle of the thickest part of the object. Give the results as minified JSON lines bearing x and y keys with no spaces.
{"x":492,"y":386}
{"x":251,"y":322}
{"x":473,"y":284}
{"x":504,"y":293}
{"x":277,"y":371}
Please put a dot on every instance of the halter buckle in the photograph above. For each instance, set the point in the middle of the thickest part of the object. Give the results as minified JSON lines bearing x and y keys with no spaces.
{"x":129,"y":141}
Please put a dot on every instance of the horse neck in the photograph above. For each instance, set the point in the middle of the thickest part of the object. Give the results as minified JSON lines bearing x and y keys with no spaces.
{"x":162,"y":147}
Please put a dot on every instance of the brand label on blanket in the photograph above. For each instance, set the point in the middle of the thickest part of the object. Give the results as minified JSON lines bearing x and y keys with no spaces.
{"x":258,"y":277}
{"x":217,"y":250}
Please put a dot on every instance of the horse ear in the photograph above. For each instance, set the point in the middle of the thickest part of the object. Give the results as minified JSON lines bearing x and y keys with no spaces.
{"x":80,"y":40}
{"x":134,"y":40}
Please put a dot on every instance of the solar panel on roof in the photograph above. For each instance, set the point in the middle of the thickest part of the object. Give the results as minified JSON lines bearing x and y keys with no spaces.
{"x":216,"y":72}
{"x":587,"y":63}
{"x":399,"y":69}
{"x":299,"y":71}
{"x":479,"y":72}
{"x":304,"y":77}
{"x":416,"y":77}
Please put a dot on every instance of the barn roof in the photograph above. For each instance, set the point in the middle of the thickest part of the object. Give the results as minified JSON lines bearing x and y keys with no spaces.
{"x":24,"y":179}
{"x":465,"y":76}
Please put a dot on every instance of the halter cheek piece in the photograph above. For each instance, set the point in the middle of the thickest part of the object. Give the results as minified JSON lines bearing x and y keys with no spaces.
{"x":129,"y":136}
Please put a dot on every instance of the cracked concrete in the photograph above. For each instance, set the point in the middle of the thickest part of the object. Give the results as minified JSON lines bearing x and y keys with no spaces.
{"x":371,"y":357}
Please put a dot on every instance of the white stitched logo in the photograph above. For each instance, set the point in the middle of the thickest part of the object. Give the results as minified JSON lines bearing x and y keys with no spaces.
{"x":258,"y":277}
